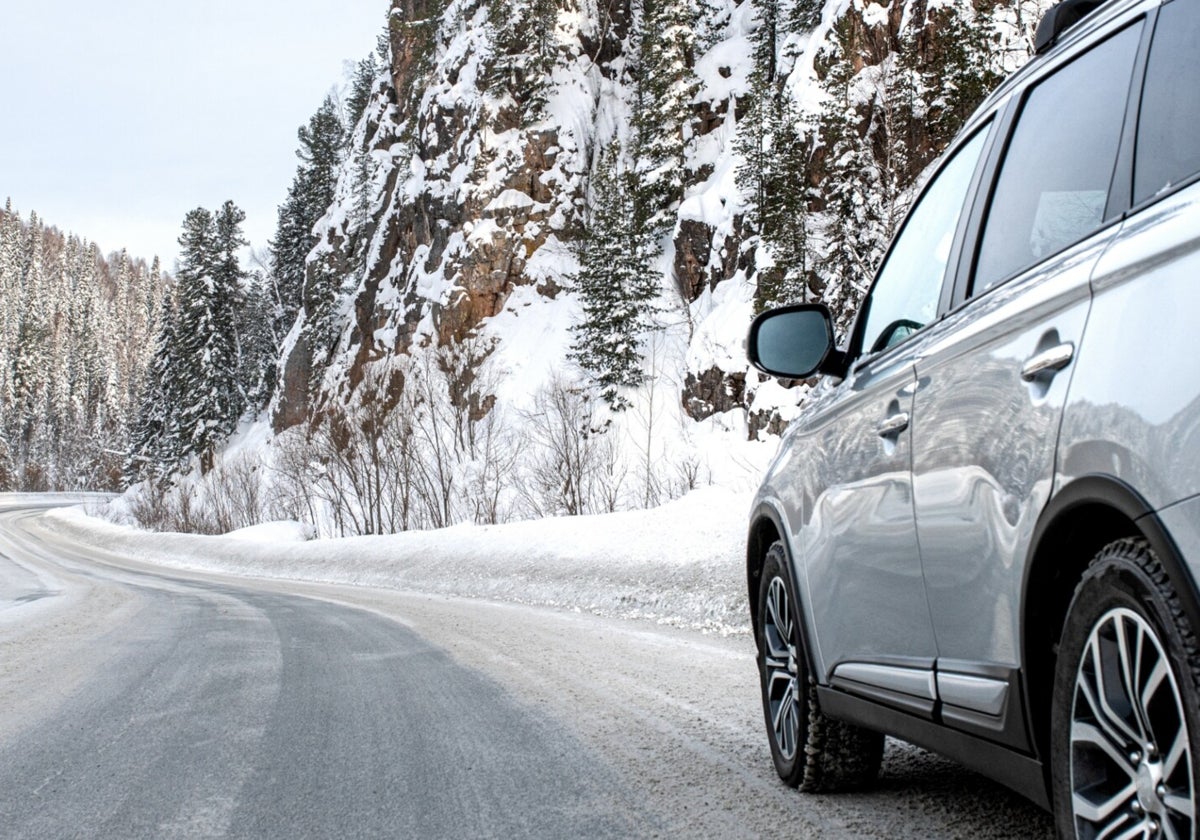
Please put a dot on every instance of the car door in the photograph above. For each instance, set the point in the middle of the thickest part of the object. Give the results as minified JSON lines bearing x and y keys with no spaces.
{"x":993,"y":376}
{"x":845,"y":470}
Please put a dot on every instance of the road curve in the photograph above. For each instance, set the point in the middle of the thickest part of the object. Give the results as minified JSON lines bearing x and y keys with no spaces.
{"x":218,"y":711}
{"x":136,"y":703}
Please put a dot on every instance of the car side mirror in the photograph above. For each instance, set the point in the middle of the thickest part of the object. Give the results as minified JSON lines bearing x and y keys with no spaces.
{"x":793,"y":342}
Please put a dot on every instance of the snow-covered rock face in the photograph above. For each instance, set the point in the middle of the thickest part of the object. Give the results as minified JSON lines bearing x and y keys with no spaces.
{"x":476,"y":189}
{"x":469,"y":178}
{"x":480,"y":170}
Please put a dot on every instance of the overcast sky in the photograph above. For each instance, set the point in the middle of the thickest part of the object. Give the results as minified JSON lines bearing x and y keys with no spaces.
{"x":119,"y":116}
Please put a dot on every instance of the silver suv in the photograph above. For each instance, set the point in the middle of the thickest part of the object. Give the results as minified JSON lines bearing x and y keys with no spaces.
{"x":983,"y":533}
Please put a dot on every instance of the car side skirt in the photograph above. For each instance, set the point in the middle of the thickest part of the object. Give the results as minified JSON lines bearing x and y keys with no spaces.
{"x":1022,"y":773}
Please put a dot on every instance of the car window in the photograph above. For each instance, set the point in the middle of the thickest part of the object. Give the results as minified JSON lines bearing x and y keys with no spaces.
{"x":906,"y":293}
{"x":1054,"y":181}
{"x":1168,"y":145}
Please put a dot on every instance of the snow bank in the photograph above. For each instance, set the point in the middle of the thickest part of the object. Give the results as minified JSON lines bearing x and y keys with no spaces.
{"x":273,"y":532}
{"x":681,"y":564}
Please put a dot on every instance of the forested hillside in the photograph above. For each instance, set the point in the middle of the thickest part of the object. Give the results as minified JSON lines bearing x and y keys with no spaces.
{"x":514,"y":271}
{"x":76,"y":332}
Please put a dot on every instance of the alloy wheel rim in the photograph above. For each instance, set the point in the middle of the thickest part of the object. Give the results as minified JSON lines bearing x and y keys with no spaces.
{"x":781,"y":669}
{"x":1130,"y":752}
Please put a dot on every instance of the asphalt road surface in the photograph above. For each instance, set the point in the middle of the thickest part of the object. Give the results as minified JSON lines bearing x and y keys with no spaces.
{"x":136,"y":703}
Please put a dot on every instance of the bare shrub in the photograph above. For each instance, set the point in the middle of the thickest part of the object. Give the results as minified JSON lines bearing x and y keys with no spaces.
{"x":149,"y":507}
{"x":187,"y":514}
{"x":161,"y":506}
{"x":294,"y":471}
{"x":435,"y":429}
{"x":233,"y":493}
{"x":610,"y":476}
{"x":371,"y":456}
{"x":462,"y":450}
{"x":563,"y":454}
{"x":687,"y":475}
{"x":489,"y":485}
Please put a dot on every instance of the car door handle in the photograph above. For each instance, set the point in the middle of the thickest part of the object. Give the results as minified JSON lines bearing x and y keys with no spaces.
{"x":1054,"y":359}
{"x":893,"y":425}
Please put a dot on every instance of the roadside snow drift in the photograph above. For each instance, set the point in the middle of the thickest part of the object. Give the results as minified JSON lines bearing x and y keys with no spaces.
{"x":680,"y":564}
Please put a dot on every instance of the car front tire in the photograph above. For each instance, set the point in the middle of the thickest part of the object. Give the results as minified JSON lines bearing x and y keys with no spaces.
{"x":810,"y":750}
{"x":1125,"y":719}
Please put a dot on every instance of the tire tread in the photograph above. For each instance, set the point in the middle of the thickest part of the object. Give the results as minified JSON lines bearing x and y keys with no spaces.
{"x":1124,"y":571}
{"x":832,"y":755}
{"x":838,"y":755}
{"x":1137,"y":552}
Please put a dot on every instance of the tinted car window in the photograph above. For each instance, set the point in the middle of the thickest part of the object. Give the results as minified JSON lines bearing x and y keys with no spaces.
{"x":1059,"y":165}
{"x":906,"y":293}
{"x":1168,"y":148}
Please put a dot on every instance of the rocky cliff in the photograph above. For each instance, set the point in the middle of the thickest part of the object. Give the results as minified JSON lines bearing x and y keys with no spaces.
{"x":459,"y":214}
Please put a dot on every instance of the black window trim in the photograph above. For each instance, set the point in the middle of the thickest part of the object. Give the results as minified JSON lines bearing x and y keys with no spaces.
{"x":987,"y":124}
{"x":982,"y":200}
{"x":1132,"y":209}
{"x":1120,"y":191}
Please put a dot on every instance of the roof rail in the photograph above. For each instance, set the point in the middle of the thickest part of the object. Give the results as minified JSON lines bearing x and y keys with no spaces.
{"x":1058,"y":19}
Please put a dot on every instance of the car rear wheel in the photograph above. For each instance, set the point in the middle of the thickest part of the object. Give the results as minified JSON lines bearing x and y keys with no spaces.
{"x":810,"y":751}
{"x":1125,"y":720}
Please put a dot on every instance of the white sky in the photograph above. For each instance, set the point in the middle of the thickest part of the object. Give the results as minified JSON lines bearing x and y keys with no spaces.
{"x":119,"y":116}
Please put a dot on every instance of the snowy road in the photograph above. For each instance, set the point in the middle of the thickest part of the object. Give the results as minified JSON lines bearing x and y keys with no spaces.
{"x":138,"y":702}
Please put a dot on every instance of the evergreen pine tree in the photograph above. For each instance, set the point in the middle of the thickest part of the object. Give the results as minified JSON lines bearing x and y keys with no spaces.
{"x":321,"y":288}
{"x":783,"y":216}
{"x":258,"y":363}
{"x":766,"y":48}
{"x":65,"y":330}
{"x":774,"y":173}
{"x":154,"y":446}
{"x":31,"y":365}
{"x":363,"y":165}
{"x":665,"y":88}
{"x":523,"y":51}
{"x":805,"y":15}
{"x":882,"y":126}
{"x":8,"y":472}
{"x":361,"y":85}
{"x":322,"y":143}
{"x":228,"y":281}
{"x":209,"y":278}
{"x":10,"y":233}
{"x":854,"y":233}
{"x":615,"y":285}
{"x":962,"y":72}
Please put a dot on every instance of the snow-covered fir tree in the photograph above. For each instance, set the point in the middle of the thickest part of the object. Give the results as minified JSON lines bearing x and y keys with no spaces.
{"x":322,"y":147}
{"x":257,"y":342}
{"x":366,"y":71}
{"x":804,"y":15}
{"x":775,"y":169}
{"x":209,"y":279}
{"x":616,"y":284}
{"x":155,"y":447}
{"x":664,"y":89}
{"x":827,"y":187}
{"x":967,"y":65}
{"x":853,"y":184}
{"x":524,"y":47}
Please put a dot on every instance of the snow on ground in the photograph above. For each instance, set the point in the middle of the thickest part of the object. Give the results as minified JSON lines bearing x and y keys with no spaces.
{"x":273,"y":532}
{"x":681,"y":564}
